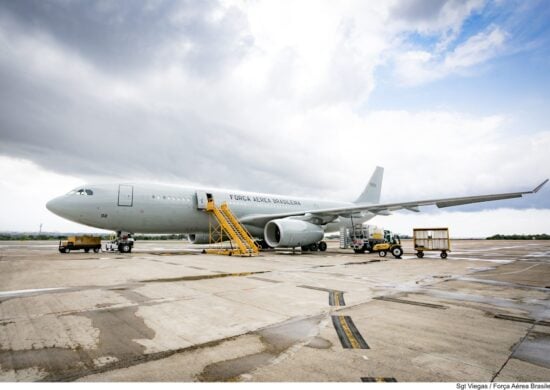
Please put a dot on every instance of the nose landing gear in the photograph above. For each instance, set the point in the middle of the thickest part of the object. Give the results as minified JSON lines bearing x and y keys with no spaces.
{"x":122,"y":242}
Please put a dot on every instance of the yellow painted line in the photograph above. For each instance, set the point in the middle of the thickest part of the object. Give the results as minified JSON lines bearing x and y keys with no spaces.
{"x":353,"y":341}
{"x":338,"y":299}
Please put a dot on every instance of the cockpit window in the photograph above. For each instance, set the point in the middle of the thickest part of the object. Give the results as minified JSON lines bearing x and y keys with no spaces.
{"x":81,"y":191}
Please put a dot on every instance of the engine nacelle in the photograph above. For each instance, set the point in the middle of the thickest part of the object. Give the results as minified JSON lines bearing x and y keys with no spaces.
{"x":290,"y":233}
{"x":201,"y":238}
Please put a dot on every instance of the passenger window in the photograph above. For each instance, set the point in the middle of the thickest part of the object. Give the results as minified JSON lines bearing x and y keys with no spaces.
{"x":89,"y":192}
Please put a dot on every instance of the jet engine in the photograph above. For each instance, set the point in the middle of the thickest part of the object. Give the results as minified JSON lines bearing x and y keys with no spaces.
{"x":200,"y":238}
{"x":290,"y":233}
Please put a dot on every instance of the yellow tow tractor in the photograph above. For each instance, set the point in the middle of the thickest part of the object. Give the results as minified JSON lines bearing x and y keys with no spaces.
{"x":74,"y":243}
{"x":392,"y":244}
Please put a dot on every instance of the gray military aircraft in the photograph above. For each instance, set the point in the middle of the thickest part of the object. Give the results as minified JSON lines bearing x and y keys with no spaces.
{"x":279,"y":221}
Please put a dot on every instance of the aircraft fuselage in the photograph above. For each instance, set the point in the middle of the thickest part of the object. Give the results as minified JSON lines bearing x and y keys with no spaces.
{"x":151,"y":208}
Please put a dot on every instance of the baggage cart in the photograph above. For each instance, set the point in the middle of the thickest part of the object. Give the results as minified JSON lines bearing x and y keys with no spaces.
{"x":431,"y":239}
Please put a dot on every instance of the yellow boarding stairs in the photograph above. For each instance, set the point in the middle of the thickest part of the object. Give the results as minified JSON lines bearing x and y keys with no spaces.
{"x":242,"y":243}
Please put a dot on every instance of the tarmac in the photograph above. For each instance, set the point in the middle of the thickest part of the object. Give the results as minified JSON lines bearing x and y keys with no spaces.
{"x":166,"y":312}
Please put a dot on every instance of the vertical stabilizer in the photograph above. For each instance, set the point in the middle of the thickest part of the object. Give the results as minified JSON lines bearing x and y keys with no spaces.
{"x":371,"y":193}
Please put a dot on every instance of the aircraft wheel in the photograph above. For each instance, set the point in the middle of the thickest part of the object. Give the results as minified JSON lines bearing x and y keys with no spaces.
{"x":305,"y":248}
{"x":443,"y":255}
{"x":313,"y":247}
{"x":382,"y":253}
{"x":322,"y":246}
{"x":397,"y":252}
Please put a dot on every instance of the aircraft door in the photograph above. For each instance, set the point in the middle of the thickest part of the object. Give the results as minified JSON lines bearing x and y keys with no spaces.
{"x":125,"y":195}
{"x":202,"y":199}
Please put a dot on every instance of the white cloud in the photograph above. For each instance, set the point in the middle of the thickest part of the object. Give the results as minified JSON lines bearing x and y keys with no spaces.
{"x":286,"y":115}
{"x":24,"y":190}
{"x":416,"y":67}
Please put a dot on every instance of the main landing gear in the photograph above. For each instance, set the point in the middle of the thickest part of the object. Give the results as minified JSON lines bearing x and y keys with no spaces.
{"x":316,"y":246}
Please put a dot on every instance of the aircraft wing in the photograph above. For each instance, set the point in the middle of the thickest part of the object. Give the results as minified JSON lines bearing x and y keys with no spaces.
{"x":322,"y":216}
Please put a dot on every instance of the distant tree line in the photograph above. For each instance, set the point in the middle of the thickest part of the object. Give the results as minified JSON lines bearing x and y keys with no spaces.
{"x":519,"y":237}
{"x":162,"y":237}
{"x":30,"y":237}
{"x":63,"y":236}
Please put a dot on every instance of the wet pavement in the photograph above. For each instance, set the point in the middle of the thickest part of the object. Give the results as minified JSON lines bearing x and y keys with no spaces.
{"x":168,"y":313}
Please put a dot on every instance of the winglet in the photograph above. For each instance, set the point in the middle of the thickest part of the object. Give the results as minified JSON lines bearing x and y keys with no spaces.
{"x":539,"y":186}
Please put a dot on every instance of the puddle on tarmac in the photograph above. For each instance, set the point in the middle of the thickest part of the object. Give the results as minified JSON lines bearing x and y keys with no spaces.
{"x":201,"y":277}
{"x":282,"y":337}
{"x":230,"y":369}
{"x":537,"y":309}
{"x":276,"y":339}
{"x":535,"y":349}
{"x":118,"y":330}
{"x":500,"y":283}
{"x":319,"y":343}
{"x":132,"y":296}
{"x":51,"y":360}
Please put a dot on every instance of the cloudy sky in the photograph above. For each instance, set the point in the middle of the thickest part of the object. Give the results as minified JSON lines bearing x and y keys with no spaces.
{"x":291,"y":97}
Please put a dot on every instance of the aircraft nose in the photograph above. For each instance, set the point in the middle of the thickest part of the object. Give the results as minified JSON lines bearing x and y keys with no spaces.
{"x":54,"y":206}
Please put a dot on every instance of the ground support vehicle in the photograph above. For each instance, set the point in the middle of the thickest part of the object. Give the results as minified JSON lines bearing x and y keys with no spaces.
{"x":431,"y":239}
{"x":122,"y":243}
{"x":391,"y":244}
{"x":361,"y":238}
{"x":74,"y":243}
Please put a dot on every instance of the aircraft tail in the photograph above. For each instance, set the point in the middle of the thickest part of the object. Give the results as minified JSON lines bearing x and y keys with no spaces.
{"x":371,"y":193}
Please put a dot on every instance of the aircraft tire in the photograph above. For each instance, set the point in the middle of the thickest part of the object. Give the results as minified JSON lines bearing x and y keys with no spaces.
{"x":305,"y":248}
{"x":322,"y":246}
{"x":313,"y":247}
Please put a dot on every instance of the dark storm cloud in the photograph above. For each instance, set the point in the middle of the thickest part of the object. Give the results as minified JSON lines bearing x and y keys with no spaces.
{"x":86,"y":89}
{"x":123,"y":35}
{"x":60,"y":114}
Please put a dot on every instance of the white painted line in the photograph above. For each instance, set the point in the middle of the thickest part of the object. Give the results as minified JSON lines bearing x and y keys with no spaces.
{"x":23,"y":292}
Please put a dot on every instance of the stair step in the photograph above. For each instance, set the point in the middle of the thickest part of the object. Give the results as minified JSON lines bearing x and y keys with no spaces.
{"x":234,"y":229}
